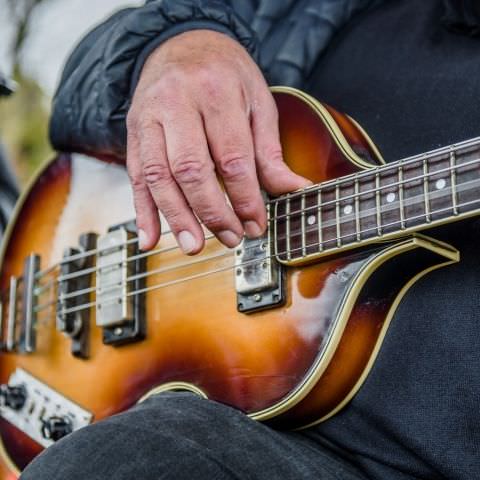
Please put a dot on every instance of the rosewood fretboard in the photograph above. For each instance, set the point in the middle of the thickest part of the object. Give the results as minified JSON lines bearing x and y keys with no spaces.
{"x":412,"y":194}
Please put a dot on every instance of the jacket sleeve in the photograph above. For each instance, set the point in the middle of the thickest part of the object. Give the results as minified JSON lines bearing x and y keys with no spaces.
{"x":94,"y":94}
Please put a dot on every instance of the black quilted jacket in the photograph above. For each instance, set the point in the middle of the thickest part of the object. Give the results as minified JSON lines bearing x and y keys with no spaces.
{"x":285,"y":36}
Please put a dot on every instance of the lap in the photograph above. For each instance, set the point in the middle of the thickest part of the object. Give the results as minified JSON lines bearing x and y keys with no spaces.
{"x":179,"y":435}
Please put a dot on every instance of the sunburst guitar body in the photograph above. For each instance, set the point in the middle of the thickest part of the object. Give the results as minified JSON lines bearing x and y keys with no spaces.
{"x":284,"y":328}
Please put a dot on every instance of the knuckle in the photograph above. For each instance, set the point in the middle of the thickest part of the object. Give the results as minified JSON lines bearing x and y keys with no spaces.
{"x":174,"y":218}
{"x":274,"y":154}
{"x":137,"y":182}
{"x":132,"y":120}
{"x":156,"y":174}
{"x":188,"y":169}
{"x":214,"y":220}
{"x":245,"y":209}
{"x":210,"y":82}
{"x":233,"y":166}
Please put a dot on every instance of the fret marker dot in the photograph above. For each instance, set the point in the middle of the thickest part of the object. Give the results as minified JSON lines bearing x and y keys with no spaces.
{"x":441,"y":183}
{"x":348,"y":209}
{"x":390,"y":197}
{"x":311,"y":219}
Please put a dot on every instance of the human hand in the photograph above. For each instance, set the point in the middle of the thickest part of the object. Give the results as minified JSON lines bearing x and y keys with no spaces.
{"x":202,"y":115}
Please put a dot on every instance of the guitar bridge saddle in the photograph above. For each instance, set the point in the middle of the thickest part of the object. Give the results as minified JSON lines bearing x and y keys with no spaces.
{"x":258,"y":276}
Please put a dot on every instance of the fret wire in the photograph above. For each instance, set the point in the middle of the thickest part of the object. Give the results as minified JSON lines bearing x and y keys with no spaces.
{"x":377,"y":203}
{"x":269,"y":229}
{"x":401,"y":197}
{"x":357,"y":210}
{"x":453,"y":182}
{"x":319,"y":221}
{"x":287,"y":210}
{"x":275,"y":228}
{"x":425,"y":190}
{"x":304,"y":239}
{"x":337,"y":215}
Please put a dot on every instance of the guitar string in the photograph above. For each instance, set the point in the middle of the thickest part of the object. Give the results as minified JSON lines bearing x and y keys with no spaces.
{"x":89,"y":270}
{"x":275,"y":218}
{"x":107,"y":301}
{"x":393,"y":206}
{"x":290,"y":196}
{"x":162,"y":250}
{"x":166,"y":284}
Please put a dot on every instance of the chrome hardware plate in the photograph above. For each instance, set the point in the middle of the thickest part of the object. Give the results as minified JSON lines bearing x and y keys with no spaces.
{"x":120,"y":286}
{"x":42,"y":402}
{"x":28,"y":334}
{"x":12,"y":315}
{"x":258,"y":276}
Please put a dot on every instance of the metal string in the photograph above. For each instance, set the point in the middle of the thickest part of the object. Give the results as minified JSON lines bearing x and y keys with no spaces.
{"x":310,"y":229}
{"x":271,"y":219}
{"x":229,"y":267}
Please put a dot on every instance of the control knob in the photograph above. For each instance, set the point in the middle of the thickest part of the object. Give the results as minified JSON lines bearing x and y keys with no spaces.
{"x":55,"y":428}
{"x":13,"y":397}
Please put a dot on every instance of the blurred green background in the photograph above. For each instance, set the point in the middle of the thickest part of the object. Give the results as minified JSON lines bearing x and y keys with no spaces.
{"x":36,"y":37}
{"x":23,"y":116}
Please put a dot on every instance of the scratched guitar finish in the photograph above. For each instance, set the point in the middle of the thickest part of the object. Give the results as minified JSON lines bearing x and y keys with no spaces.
{"x":285,"y":327}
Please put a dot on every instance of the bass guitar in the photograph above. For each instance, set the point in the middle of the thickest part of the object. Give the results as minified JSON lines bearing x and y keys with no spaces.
{"x":285,"y":327}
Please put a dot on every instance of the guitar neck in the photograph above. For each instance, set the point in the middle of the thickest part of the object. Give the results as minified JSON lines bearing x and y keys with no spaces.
{"x":409,"y":195}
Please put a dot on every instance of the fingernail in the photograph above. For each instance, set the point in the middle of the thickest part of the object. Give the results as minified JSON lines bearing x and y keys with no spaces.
{"x":252,"y":229}
{"x":142,"y":239}
{"x":229,"y":238}
{"x":187,"y":241}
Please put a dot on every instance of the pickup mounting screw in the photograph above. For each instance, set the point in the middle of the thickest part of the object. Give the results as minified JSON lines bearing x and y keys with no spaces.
{"x":257,"y":297}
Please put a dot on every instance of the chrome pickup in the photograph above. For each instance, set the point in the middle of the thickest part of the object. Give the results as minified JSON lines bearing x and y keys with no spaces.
{"x":258,"y":276}
{"x":114,"y":307}
{"x":119,"y":308}
{"x":74,"y":287}
{"x":39,"y":411}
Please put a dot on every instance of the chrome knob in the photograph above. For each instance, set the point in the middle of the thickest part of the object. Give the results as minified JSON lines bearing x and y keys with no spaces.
{"x":13,"y":397}
{"x":55,"y":428}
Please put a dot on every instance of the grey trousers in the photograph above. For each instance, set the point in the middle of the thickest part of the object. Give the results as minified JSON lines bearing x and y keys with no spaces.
{"x":179,"y":435}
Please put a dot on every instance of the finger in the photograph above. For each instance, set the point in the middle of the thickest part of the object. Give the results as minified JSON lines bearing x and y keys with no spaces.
{"x":194,"y":172}
{"x":148,"y":222}
{"x":230,"y":139}
{"x":274,"y":174}
{"x":167,"y":196}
